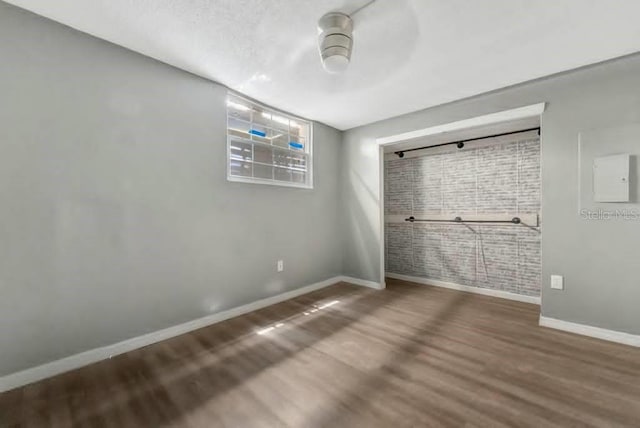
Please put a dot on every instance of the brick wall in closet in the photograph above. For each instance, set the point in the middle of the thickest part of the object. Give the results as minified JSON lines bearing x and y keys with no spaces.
{"x":498,"y":179}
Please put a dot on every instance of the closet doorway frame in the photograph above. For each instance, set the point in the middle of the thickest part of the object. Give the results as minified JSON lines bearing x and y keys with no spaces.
{"x":497,"y":118}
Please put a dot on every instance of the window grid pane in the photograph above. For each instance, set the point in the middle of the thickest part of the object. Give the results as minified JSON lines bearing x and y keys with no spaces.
{"x":267,"y":146}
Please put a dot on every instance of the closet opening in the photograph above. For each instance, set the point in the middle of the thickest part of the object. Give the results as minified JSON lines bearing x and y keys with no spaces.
{"x":462,"y":210}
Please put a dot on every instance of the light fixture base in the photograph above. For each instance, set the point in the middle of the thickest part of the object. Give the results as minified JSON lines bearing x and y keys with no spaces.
{"x":335,"y":41}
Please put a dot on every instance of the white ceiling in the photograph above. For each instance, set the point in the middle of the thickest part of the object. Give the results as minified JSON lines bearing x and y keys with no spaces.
{"x":408,"y":54}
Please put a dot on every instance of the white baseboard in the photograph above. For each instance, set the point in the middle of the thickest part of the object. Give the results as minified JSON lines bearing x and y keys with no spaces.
{"x":363,"y":282}
{"x":82,"y":359}
{"x":466,"y":288}
{"x":587,"y":330}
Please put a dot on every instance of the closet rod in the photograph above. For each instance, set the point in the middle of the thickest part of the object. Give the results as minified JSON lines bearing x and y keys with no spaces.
{"x":460,"y":143}
{"x":515,"y":220}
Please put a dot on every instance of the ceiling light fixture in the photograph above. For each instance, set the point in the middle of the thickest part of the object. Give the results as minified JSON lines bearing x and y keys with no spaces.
{"x":336,"y":41}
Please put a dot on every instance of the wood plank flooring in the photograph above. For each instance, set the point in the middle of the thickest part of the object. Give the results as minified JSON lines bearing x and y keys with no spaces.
{"x":346,"y":356}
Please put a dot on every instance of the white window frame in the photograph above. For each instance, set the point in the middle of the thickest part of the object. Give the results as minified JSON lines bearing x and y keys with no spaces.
{"x":272,"y":182}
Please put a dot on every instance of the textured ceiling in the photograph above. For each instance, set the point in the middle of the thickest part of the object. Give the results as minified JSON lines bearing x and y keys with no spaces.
{"x":408,"y":54}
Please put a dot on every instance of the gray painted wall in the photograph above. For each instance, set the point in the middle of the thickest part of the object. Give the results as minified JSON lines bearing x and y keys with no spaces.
{"x":116,"y":217}
{"x":597,"y":258}
{"x":502,"y":178}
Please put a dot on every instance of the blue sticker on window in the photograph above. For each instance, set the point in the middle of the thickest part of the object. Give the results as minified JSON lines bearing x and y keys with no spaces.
{"x":258,"y":133}
{"x":296,"y":145}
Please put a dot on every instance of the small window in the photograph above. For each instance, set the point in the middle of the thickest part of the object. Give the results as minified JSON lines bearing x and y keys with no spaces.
{"x":266,"y":146}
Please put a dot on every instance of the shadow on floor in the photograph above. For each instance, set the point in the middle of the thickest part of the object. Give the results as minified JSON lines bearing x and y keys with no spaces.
{"x":160,"y":384}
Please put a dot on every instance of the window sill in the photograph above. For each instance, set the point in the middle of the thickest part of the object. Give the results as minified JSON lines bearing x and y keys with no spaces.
{"x":250,"y":180}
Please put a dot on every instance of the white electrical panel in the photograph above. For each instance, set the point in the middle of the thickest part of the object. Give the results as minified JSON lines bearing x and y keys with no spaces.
{"x":611,"y":178}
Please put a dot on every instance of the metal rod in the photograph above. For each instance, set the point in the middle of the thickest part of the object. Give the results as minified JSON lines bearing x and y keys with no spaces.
{"x":412,"y":219}
{"x":460,"y":143}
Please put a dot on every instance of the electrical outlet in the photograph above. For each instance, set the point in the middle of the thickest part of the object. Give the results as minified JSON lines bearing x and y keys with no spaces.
{"x":280,"y":265}
{"x":557,"y":282}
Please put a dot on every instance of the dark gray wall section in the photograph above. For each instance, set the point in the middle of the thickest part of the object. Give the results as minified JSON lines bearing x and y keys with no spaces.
{"x":503,"y":178}
{"x":116,"y":217}
{"x":597,"y":258}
